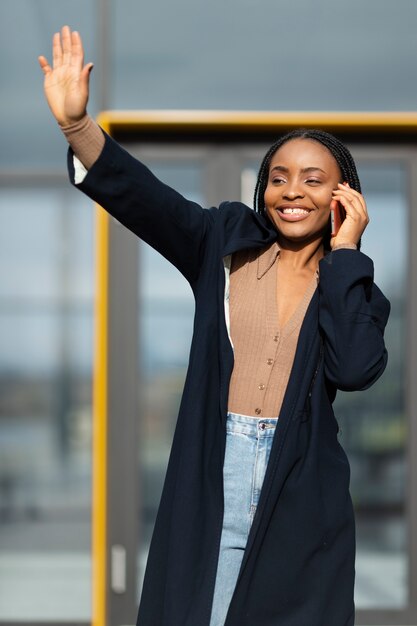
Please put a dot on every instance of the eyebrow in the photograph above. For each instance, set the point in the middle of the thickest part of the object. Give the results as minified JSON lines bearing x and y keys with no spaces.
{"x":305,"y":170}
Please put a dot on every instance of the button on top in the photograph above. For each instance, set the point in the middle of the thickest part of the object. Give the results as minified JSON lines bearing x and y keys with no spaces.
{"x":261,"y":386}
{"x":270,"y":361}
{"x":276,"y":337}
{"x":262,"y":426}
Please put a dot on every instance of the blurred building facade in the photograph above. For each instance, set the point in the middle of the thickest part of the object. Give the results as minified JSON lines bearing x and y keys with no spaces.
{"x":234,"y":55}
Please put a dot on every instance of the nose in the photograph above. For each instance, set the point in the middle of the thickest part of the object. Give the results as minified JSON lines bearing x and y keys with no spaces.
{"x":292,"y":191}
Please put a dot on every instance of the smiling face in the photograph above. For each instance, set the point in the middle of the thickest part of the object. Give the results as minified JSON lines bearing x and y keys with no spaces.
{"x":302,"y":175}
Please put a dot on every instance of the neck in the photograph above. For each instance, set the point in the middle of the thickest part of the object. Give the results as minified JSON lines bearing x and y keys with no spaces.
{"x":300,"y":256}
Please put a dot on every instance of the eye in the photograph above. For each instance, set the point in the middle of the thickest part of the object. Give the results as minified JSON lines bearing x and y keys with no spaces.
{"x":277,"y":180}
{"x":313,"y":181}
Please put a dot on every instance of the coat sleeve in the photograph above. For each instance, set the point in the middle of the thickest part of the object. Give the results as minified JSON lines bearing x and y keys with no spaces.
{"x":353,"y":313}
{"x":159,"y":215}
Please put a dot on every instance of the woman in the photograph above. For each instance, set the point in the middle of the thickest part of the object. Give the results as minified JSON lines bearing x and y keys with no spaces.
{"x":255,"y":525}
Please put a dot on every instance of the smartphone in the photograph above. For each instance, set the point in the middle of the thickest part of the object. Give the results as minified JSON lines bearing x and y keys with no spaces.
{"x":337,"y":215}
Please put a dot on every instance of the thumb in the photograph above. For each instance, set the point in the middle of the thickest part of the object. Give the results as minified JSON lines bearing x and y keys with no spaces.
{"x":44,"y":65}
{"x":85,"y":75}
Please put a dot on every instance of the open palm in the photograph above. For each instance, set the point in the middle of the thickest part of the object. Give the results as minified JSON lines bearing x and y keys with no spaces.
{"x":66,"y":83}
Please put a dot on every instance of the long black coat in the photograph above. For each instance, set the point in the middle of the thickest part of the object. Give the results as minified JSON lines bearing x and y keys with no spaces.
{"x":298,"y":567}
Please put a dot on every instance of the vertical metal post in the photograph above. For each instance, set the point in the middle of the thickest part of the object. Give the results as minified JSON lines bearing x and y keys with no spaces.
{"x":101,"y":499}
{"x":104,"y":64}
{"x":115,"y":493}
{"x":411,"y":389}
{"x":100,"y":566}
{"x":122,"y":428}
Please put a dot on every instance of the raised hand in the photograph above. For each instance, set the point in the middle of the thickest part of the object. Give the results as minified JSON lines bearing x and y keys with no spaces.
{"x":66,"y":83}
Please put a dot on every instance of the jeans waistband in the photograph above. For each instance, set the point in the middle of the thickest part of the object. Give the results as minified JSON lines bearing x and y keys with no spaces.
{"x":253,"y":426}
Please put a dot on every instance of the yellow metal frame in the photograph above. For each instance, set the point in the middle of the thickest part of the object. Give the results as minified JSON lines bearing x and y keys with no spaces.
{"x":252,"y":121}
{"x":180,"y":121}
{"x":100,"y":412}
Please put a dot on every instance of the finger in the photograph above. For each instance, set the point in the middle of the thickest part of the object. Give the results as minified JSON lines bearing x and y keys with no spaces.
{"x":355,"y":207}
{"x":348,"y":193}
{"x":350,"y":203}
{"x":66,"y":45}
{"x":345,"y":188}
{"x":356,"y":218}
{"x":85,"y":76}
{"x":44,"y":65}
{"x":348,"y":188}
{"x":351,"y":194}
{"x":56,"y":51}
{"x":77,"y":52}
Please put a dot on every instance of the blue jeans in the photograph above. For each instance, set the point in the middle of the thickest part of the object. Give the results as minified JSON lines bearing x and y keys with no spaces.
{"x":248,"y":445}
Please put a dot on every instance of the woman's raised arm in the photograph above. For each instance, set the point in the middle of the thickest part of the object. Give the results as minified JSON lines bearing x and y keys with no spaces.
{"x":121,"y":184}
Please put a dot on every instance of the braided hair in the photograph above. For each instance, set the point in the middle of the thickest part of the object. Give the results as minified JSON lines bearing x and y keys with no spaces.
{"x":339,"y":151}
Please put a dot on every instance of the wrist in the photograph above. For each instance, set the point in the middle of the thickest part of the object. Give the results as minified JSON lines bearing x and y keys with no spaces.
{"x":347,"y":245}
{"x":86,"y":140}
{"x":73,"y":124}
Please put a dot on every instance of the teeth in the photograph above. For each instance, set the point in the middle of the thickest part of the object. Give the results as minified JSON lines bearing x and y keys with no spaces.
{"x":295,"y":211}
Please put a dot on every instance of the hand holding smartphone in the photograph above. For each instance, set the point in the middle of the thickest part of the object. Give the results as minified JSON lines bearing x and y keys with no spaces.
{"x":354,"y":217}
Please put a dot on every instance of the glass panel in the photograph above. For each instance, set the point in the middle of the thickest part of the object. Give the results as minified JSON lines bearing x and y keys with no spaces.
{"x":45,"y":404}
{"x":166,"y":309}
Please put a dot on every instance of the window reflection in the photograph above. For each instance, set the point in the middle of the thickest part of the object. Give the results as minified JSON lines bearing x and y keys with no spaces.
{"x":45,"y":404}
